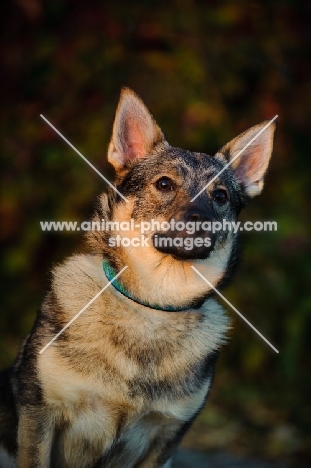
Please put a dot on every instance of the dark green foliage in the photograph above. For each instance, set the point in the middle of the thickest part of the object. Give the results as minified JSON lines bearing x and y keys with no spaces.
{"x":207,"y":70}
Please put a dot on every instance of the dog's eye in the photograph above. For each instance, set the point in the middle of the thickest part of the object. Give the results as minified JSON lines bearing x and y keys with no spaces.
{"x":220,"y":196}
{"x":164,"y":184}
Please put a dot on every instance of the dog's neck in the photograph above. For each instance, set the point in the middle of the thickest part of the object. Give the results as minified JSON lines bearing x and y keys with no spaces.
{"x":111,"y":273}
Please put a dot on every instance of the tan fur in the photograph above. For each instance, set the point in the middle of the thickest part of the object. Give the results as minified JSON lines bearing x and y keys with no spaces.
{"x":90,"y":403}
{"x":162,"y":279}
{"x":120,"y":386}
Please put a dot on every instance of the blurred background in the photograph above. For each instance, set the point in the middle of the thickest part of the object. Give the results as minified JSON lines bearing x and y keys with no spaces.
{"x":207,"y":70}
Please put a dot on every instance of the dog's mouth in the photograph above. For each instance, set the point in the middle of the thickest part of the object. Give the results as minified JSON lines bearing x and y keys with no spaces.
{"x":183,"y":246}
{"x":189,"y":236}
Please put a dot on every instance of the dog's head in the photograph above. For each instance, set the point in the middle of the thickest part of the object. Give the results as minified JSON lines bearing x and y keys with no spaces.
{"x":175,"y":225}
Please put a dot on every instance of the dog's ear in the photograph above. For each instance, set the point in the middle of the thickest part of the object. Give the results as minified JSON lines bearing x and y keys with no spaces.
{"x":250,"y":166}
{"x":135,"y":131}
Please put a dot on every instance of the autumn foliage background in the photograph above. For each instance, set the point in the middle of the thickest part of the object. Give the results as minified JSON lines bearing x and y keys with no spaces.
{"x":208,"y":70}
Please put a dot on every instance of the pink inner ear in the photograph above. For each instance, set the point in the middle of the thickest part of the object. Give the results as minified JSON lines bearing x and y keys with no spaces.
{"x":249,"y":165}
{"x":134,"y":140}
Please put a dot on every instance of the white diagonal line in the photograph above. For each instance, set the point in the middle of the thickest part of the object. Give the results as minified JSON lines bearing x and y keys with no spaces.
{"x":235,"y":310}
{"x":82,"y":310}
{"x":235,"y":157}
{"x":83,"y":157}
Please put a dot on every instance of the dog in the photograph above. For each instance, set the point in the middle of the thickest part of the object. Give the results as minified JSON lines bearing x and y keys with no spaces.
{"x":122,"y":384}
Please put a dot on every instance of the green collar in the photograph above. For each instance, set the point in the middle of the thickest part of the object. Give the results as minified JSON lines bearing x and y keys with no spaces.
{"x":111,"y":273}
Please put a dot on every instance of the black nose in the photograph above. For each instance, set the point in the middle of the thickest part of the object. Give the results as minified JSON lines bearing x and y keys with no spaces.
{"x":197,"y":215}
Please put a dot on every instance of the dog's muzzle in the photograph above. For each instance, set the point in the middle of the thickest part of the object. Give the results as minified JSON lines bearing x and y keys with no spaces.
{"x":194,"y":241}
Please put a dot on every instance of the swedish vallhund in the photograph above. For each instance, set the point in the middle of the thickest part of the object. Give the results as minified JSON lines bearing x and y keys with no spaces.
{"x":121,"y":385}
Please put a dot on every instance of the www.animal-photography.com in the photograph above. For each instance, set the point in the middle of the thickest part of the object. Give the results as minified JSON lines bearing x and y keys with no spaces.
{"x":155,"y":235}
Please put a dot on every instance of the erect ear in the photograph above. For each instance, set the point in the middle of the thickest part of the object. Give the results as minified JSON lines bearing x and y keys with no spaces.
{"x":134,"y":133}
{"x":250,"y":166}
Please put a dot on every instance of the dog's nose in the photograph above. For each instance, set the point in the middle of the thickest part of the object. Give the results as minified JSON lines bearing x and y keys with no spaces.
{"x":196,"y":215}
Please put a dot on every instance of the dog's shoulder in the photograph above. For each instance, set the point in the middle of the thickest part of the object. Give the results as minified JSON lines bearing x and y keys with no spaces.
{"x":77,"y":271}
{"x":75,"y":282}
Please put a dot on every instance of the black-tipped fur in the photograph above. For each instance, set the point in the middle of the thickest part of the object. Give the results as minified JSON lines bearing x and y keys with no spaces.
{"x":122,"y":384}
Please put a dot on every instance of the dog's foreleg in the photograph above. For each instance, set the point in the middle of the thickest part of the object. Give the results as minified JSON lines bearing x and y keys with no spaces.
{"x":168,"y":464}
{"x":160,"y":453}
{"x":35,"y":436}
